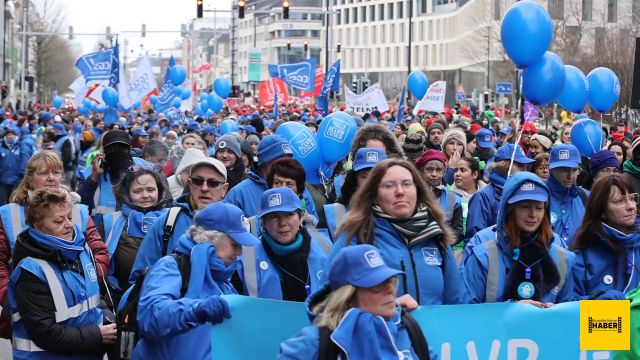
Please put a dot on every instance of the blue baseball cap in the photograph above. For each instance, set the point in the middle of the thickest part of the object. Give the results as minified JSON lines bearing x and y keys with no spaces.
{"x":484,"y":138}
{"x":366,"y":158}
{"x":564,"y":155}
{"x":140,"y":132}
{"x":59,"y":128}
{"x":281,"y":199}
{"x":192,"y":125}
{"x":506,"y":130}
{"x":228,"y":219}
{"x":210,"y":129}
{"x":273,"y":147}
{"x":361,"y":266}
{"x":529,"y":191}
{"x":505,"y":152}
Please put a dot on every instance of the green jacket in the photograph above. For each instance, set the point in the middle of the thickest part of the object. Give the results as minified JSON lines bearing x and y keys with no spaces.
{"x":634,"y":353}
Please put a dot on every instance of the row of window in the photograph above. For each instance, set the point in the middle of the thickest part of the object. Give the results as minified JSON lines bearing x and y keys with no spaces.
{"x":268,"y":19}
{"x":396,"y":56}
{"x":423,"y":30}
{"x":281,"y":34}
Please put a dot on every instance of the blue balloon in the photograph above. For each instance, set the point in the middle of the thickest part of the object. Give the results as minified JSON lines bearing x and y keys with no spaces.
{"x":204,"y":96}
{"x":222,"y":87}
{"x":200,"y":109}
{"x":227,"y":126}
{"x":110,"y":96}
{"x":110,"y":116}
{"x":418,"y":83}
{"x":176,"y":103}
{"x":575,"y":93}
{"x":335,"y":134}
{"x":304,"y":145}
{"x":82,"y":109}
{"x":526,"y":32}
{"x":604,"y":88}
{"x":543,"y":81}
{"x":101,"y":108}
{"x":136,"y":105}
{"x":153,"y":99}
{"x":177,"y":74}
{"x":177,"y":91}
{"x":57,"y":102}
{"x":93,"y":106}
{"x":215,"y":102}
{"x":86,"y":102}
{"x":186,"y":93}
{"x":205,"y":105}
{"x":209,"y":113}
{"x":587,"y":136}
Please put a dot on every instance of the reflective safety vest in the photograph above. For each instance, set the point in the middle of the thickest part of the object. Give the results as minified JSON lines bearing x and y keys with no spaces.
{"x":12,"y":216}
{"x":334,"y":215}
{"x":496,"y":272}
{"x":76,"y":299}
{"x":261,"y":276}
{"x":448,"y":200}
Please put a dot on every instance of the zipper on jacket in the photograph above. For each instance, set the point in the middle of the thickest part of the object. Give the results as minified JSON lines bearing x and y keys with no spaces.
{"x":415,"y":274}
{"x":404,"y":277}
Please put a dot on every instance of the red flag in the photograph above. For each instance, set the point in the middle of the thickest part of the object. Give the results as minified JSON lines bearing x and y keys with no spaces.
{"x":317,"y":85}
{"x":267,"y":89}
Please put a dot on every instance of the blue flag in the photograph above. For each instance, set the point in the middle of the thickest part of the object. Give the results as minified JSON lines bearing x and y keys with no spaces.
{"x":166,"y":96}
{"x":98,"y":65}
{"x":300,"y":75}
{"x":400,"y":106}
{"x":276,"y":112}
{"x":114,"y":77}
{"x":331,"y":83}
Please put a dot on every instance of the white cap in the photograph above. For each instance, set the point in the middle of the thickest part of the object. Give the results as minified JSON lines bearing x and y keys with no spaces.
{"x":57,"y":118}
{"x":215,"y":163}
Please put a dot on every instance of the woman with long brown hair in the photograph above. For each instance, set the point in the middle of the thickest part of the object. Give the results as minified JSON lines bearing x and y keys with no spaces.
{"x":607,"y":245}
{"x":396,"y":212}
{"x":520,"y":258}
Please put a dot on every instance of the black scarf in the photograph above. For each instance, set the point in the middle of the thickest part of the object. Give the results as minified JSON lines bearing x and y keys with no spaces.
{"x":236,"y":174}
{"x":414,"y":229}
{"x":293,"y":264}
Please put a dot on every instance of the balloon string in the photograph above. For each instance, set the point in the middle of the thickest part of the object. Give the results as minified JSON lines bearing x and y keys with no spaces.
{"x":593,"y":148}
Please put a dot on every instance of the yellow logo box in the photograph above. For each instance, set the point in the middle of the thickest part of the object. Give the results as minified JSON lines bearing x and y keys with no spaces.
{"x":604,"y":324}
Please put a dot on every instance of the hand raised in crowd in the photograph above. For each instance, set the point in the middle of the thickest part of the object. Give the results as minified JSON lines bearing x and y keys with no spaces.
{"x":213,"y":309}
{"x":109,"y":333}
{"x":453,"y":161}
{"x":98,"y":167}
{"x":407,"y":302}
{"x":539,"y":304}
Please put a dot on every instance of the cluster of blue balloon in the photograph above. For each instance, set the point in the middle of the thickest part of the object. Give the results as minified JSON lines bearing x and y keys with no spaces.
{"x":527,"y":31}
{"x":418,"y":84}
{"x":213,"y":102}
{"x":318,"y":153}
{"x":57,"y":102}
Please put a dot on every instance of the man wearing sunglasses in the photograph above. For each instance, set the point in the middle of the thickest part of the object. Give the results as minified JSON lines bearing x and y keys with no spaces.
{"x":207,"y":185}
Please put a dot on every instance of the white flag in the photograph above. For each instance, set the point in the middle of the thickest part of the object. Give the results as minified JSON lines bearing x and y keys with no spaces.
{"x":123,"y":89}
{"x":76,"y":86}
{"x":433,"y":100}
{"x":91,"y":90}
{"x":187,"y":104}
{"x":143,"y":81}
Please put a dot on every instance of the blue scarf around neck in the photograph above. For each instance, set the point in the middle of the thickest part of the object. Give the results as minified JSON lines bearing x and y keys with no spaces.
{"x":280,"y":249}
{"x":361,"y":335}
{"x":70,"y":250}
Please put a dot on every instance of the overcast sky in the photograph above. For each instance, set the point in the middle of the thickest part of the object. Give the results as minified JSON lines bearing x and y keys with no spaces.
{"x":93,"y":16}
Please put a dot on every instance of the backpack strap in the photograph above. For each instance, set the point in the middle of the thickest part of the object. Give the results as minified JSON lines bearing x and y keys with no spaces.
{"x":172,"y":216}
{"x":418,"y":340}
{"x":327,"y":349}
{"x":583,"y":196}
{"x":493,"y":270}
{"x":184,"y":265}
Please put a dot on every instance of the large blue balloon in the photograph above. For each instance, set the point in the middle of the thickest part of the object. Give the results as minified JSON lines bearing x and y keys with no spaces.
{"x":587,"y":136}
{"x":186,"y":93}
{"x":82,"y":109}
{"x":544,"y":80}
{"x":228,"y":126}
{"x":110,"y":116}
{"x":526,"y":32}
{"x":575,"y":93}
{"x":418,"y":83}
{"x":136,"y":105}
{"x":304,"y":145}
{"x":177,"y":74}
{"x":57,"y":102}
{"x":153,"y":99}
{"x":604,"y":88}
{"x":215,"y":102}
{"x":93,"y":105}
{"x":222,"y":87}
{"x":176,"y":103}
{"x":177,"y":91}
{"x":335,"y":134}
{"x":86,"y":102}
{"x":110,"y":96}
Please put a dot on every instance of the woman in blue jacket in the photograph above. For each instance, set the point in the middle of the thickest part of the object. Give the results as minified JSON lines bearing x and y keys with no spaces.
{"x":396,"y":212}
{"x":519,"y":258}
{"x":358,"y":305}
{"x":288,"y":263}
{"x":607,"y":245}
{"x":173,"y":326}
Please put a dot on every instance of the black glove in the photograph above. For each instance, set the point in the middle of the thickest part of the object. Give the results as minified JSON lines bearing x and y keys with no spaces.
{"x":213,"y":309}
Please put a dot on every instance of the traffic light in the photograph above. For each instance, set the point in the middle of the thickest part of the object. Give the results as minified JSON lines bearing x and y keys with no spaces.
{"x":285,"y":9}
{"x":288,"y":44}
{"x":199,"y":8}
{"x":70,"y":33}
{"x":241,"y":9}
{"x":144,"y":30}
{"x":306,"y":46}
{"x":5,"y":91}
{"x":338,"y":46}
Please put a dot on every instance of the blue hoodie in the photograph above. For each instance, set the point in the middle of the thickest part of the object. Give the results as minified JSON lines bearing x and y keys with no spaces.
{"x":567,"y":209}
{"x":475,"y":260}
{"x":246,"y":195}
{"x":599,"y":268}
{"x":483,"y":206}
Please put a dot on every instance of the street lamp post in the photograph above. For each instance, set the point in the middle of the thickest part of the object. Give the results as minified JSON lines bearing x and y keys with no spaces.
{"x":23,"y":68}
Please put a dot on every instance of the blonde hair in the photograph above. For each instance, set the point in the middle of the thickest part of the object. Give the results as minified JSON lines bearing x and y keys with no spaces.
{"x":45,"y":159}
{"x":334,"y":306}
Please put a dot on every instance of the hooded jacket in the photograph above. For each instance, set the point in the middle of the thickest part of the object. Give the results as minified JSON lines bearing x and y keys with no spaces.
{"x":483,"y":206}
{"x":190,"y":157}
{"x":567,"y":209}
{"x":10,"y":164}
{"x":599,"y":268}
{"x":477,"y":263}
{"x":377,"y":132}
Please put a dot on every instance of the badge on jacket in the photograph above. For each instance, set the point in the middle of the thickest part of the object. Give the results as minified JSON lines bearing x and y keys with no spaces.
{"x":431,"y":256}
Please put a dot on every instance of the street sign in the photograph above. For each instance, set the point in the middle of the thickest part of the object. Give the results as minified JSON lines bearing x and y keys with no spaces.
{"x":460,"y":89}
{"x":460,"y":96}
{"x":504,"y":88}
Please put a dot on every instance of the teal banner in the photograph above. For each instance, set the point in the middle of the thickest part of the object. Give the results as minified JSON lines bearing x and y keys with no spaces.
{"x":499,"y":331}
{"x":255,"y":65}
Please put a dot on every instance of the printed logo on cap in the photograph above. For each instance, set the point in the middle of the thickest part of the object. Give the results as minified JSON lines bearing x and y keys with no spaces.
{"x":563,"y":155}
{"x":222,"y":144}
{"x":487,"y":138}
{"x":372,"y":156}
{"x":274,"y":200}
{"x":286,"y":148}
{"x":373,"y":258}
{"x":527,"y":186}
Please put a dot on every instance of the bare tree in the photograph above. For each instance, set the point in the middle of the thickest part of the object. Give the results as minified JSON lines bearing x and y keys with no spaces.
{"x":54,"y":59}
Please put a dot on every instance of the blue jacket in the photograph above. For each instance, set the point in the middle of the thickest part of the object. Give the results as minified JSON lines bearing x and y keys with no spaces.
{"x":151,"y":247}
{"x":567,"y":209}
{"x":246,"y":195}
{"x":334,"y":215}
{"x":483,"y":206}
{"x":599,"y":268}
{"x":430,"y":278}
{"x":27,"y":149}
{"x":261,"y":277}
{"x":10,"y":164}
{"x":167,"y":321}
{"x":476,"y":262}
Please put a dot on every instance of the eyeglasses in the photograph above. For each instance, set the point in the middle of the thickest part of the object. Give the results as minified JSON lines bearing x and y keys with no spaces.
{"x":542,"y":168}
{"x":210,"y":182}
{"x":429,"y":170}
{"x":392,"y":185}
{"x":50,"y":173}
{"x":138,"y":167}
{"x":622,"y":199}
{"x":392,"y":281}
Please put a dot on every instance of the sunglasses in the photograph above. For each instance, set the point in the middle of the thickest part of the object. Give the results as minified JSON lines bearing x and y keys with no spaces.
{"x":210,"y":182}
